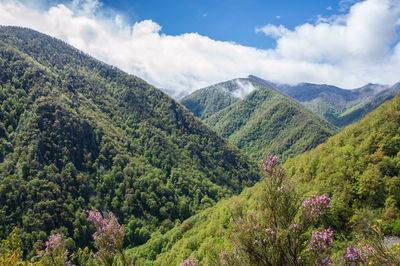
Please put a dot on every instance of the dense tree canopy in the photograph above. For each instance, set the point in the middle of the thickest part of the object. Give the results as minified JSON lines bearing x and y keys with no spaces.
{"x":266,"y":118}
{"x":75,"y":133}
{"x":358,"y":169}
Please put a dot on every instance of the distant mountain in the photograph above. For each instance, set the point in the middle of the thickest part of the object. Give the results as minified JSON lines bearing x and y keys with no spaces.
{"x":254,"y":117}
{"x":358,"y":169}
{"x":76,"y":133}
{"x":206,"y":102}
{"x":339,"y":106}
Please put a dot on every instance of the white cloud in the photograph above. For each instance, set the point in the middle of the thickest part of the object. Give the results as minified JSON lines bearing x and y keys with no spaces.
{"x":272,"y":30}
{"x":344,"y":50}
{"x":243,"y":88}
{"x":365,"y":35}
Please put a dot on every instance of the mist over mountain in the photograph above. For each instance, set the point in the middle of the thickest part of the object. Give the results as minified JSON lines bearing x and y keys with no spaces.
{"x":111,"y":155}
{"x":206,"y":102}
{"x":339,"y":106}
{"x":253,"y":117}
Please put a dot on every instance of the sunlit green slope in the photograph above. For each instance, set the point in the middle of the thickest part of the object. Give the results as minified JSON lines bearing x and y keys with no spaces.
{"x":266,"y":118}
{"x":358,"y":169}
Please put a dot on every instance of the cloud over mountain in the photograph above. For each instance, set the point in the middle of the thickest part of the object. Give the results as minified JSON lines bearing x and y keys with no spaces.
{"x":346,"y":50}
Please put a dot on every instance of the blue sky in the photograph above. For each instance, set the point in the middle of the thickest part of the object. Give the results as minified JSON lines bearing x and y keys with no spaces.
{"x":226,"y":20}
{"x":181,"y":46}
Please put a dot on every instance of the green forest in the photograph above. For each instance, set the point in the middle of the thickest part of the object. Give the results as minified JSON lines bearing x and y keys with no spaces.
{"x":97,"y":167}
{"x":76,"y":133}
{"x":266,"y":118}
{"x":358,"y":169}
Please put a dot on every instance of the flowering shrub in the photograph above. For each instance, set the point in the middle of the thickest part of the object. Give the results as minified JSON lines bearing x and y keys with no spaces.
{"x":276,"y":235}
{"x":192,"y":261}
{"x":55,"y":252}
{"x":270,"y":164}
{"x":356,"y":257}
{"x":108,"y":238}
{"x":319,"y":245}
{"x":316,"y":205}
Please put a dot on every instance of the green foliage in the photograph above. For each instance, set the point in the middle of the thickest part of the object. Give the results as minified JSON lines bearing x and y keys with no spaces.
{"x":205,"y":102}
{"x":359,"y":168}
{"x":266,"y":118}
{"x":76,"y":133}
{"x":10,"y":250}
{"x":278,"y":232}
{"x":339,"y":106}
{"x":202,"y":234}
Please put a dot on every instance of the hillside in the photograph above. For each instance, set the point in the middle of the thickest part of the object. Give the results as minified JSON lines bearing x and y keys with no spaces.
{"x":358,"y":169}
{"x":205,"y":102}
{"x":76,"y":133}
{"x":339,"y":106}
{"x":266,"y":118}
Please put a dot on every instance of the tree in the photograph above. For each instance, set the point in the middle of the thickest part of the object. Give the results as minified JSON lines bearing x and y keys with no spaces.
{"x":278,"y":234}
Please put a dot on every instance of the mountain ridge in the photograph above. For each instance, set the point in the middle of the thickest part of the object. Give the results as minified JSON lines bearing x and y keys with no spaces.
{"x":339,"y":106}
{"x":77,"y":133}
{"x":266,"y":118}
{"x":358,"y":169}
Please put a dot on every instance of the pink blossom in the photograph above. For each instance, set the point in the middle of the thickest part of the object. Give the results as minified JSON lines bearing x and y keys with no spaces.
{"x":316,"y":205}
{"x":192,"y":261}
{"x":109,"y":236}
{"x":354,"y":256}
{"x":319,"y":245}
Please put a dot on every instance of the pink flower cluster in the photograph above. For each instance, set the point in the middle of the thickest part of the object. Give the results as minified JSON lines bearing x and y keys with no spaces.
{"x":192,"y":261}
{"x":294,"y":226}
{"x":270,"y":164}
{"x":355,"y":257}
{"x":285,"y":188}
{"x":321,"y":241}
{"x":55,"y":250}
{"x":270,"y":234}
{"x":54,"y":242}
{"x":223,"y":254}
{"x":316,"y":205}
{"x":109,"y":235}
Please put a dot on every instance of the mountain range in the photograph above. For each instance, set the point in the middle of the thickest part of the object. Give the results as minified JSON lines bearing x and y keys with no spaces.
{"x":339,"y":106}
{"x":254,"y":116}
{"x":76,"y":133}
{"x":358,"y":169}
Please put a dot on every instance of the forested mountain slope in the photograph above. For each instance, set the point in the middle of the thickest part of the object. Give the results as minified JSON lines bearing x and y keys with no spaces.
{"x":205,"y":102}
{"x":266,"y":118}
{"x":339,"y":106}
{"x":76,"y":133}
{"x":358,"y":169}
